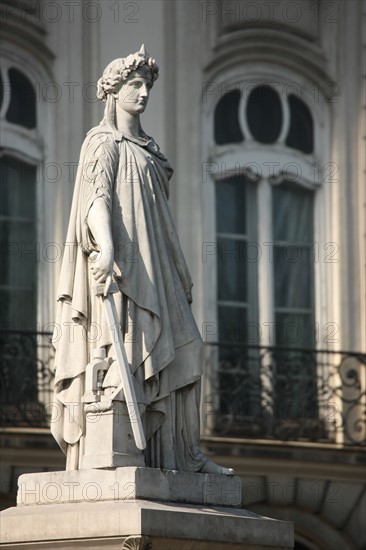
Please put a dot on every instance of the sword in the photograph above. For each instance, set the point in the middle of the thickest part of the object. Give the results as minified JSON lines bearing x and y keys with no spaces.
{"x":122,"y":362}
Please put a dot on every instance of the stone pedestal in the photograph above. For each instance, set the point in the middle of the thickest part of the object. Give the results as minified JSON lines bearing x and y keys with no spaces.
{"x":136,"y":508}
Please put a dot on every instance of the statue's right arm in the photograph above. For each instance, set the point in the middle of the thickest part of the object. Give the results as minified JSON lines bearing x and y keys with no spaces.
{"x":98,"y":177}
{"x":101,"y":228}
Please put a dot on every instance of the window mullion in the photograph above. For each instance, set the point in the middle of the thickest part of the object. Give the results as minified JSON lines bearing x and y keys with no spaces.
{"x":265,"y":264}
{"x":266,"y":294}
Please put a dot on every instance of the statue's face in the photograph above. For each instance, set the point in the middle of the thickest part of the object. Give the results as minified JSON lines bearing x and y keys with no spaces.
{"x":134,"y":92}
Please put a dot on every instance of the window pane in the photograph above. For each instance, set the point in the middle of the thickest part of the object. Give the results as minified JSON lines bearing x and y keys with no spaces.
{"x":236,"y":235}
{"x":293,"y":276}
{"x":19,"y":254}
{"x":22,"y":108}
{"x":295,"y":330}
{"x":301,"y":132}
{"x":17,"y":188}
{"x":231,"y":206}
{"x":232,"y":324}
{"x":18,"y":309}
{"x":18,"y":246}
{"x":232,"y":269}
{"x":227,"y":129}
{"x":292,"y":214}
{"x":264,"y":114}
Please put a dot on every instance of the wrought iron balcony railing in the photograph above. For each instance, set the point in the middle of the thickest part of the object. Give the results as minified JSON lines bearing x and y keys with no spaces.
{"x":26,"y":378}
{"x":284,"y":394}
{"x":248,"y":391}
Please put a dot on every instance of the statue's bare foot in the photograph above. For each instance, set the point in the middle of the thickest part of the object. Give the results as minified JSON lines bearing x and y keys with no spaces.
{"x":211,"y":467}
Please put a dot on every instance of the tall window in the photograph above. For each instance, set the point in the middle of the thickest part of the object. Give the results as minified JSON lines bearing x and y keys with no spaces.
{"x":23,"y":372}
{"x":18,"y":204}
{"x":265,"y":249}
{"x":18,"y":281}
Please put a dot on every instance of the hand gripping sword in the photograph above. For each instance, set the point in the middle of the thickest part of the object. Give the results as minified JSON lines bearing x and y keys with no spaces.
{"x":122,"y":362}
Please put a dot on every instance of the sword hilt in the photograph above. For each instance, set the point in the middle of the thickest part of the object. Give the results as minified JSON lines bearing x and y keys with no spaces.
{"x":99,"y":289}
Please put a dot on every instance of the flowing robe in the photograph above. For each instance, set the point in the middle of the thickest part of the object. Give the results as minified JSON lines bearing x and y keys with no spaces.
{"x":162,"y":341}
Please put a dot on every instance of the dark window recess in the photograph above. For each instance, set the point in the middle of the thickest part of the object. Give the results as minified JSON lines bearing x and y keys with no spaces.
{"x":231,"y":205}
{"x":264,"y":114}
{"x":227,"y":129}
{"x":22,"y":108}
{"x":301,"y":132}
{"x":19,"y":250}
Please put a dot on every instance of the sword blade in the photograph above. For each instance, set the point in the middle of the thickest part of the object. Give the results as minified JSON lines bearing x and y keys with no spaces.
{"x":124,"y":368}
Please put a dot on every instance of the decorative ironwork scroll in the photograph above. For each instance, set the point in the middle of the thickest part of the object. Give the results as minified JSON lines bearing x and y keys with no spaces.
{"x":285,"y":394}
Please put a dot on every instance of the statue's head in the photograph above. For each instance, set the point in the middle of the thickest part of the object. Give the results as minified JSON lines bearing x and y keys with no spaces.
{"x":119,"y":70}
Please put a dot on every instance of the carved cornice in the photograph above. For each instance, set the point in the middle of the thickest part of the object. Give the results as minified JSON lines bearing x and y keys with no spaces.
{"x":269,"y":46}
{"x":25,"y":27}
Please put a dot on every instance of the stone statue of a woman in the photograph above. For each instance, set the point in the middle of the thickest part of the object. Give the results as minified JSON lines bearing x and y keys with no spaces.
{"x":120,"y":211}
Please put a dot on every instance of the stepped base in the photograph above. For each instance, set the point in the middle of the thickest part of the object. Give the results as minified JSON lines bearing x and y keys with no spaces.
{"x":110,"y":509}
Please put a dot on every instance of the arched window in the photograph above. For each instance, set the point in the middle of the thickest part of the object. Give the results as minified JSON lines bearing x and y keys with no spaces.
{"x":26,"y":143}
{"x":267,"y":121}
{"x":265,"y":142}
{"x":20,"y":155}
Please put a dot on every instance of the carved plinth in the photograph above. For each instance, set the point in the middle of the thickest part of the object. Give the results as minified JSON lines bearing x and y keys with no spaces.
{"x":109,"y":440}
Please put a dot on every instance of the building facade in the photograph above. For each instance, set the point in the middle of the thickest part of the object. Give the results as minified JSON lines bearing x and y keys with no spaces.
{"x":260,"y":108}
